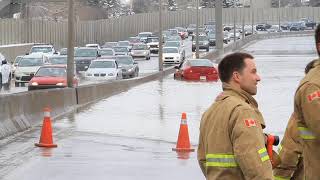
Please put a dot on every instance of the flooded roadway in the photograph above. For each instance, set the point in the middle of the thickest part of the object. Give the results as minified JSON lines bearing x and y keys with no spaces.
{"x":146,"y":67}
{"x":130,"y":135}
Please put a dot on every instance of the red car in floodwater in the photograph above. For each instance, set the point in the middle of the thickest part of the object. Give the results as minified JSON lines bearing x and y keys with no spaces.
{"x":51,"y":76}
{"x":196,"y":70}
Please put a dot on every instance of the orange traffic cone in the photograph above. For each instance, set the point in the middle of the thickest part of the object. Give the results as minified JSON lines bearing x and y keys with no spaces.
{"x":46,"y":132}
{"x":183,"y":144}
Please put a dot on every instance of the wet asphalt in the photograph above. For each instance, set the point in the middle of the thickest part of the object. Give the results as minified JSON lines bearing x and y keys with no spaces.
{"x":130,"y":135}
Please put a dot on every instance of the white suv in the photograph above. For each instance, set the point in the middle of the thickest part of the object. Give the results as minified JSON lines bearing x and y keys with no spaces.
{"x":28,"y":66}
{"x":43,"y":48}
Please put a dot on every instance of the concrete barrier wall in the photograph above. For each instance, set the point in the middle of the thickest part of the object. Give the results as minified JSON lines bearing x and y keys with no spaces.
{"x":12,"y":51}
{"x":93,"y":92}
{"x":42,"y":31}
{"x":214,"y":55}
{"x":21,"y":111}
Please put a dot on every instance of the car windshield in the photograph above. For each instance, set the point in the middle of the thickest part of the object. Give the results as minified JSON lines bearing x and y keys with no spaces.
{"x":201,"y":30}
{"x":170,"y":50}
{"x":123,"y":43}
{"x":144,"y":35}
{"x":106,"y":52}
{"x":166,"y":33}
{"x":85,"y":52}
{"x":102,"y":64}
{"x":173,"y":32}
{"x":18,"y":59}
{"x":41,"y":49}
{"x":52,"y":72}
{"x":153,"y":40}
{"x":174,"y":38}
{"x":203,"y":38}
{"x":172,"y":44}
{"x":120,"y":49}
{"x":192,"y":26}
{"x":211,"y":35}
{"x":29,"y":62}
{"x":110,"y":44}
{"x":139,"y":47}
{"x":124,"y":60}
{"x":58,"y":60}
{"x":180,"y":29}
{"x":199,"y":62}
{"x":64,"y":51}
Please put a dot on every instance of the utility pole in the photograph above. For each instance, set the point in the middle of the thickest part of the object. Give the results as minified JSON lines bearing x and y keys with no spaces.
{"x":219,"y":27}
{"x":252,"y":17}
{"x":234,"y":23}
{"x":279,"y":16}
{"x":70,"y":50}
{"x":197,"y":31}
{"x":160,"y":37}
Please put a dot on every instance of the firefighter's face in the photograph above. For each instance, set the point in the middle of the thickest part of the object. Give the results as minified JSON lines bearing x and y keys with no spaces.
{"x":248,"y":78}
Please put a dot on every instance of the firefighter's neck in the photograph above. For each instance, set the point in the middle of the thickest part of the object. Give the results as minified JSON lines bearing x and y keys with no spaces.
{"x":235,"y":85}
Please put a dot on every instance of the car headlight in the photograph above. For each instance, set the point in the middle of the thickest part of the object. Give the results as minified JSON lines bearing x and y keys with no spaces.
{"x":130,"y":70}
{"x":110,"y":74}
{"x":34,"y":84}
{"x":59,"y":84}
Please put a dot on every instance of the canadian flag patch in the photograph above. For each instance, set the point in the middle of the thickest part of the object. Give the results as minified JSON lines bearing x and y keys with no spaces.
{"x":313,"y":96}
{"x":250,"y":122}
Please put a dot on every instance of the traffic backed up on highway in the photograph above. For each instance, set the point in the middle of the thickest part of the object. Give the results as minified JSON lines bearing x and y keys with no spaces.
{"x":196,"y":70}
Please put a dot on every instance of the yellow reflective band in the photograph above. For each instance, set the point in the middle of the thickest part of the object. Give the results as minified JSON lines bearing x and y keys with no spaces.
{"x":263,"y":154}
{"x":221,"y":160}
{"x":280,"y":178}
{"x":280,"y":148}
{"x":262,"y":150}
{"x":220,"y":164}
{"x":306,"y":134}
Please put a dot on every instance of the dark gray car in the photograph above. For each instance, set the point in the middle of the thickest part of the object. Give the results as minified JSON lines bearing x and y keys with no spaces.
{"x":84,"y":56}
{"x":130,"y":68}
{"x":203,"y":43}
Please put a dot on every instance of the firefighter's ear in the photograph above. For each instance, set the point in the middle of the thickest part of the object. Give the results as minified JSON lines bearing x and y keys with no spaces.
{"x":318,"y":48}
{"x":236,"y":76}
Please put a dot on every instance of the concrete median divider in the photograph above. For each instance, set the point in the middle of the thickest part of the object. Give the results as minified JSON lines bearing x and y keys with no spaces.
{"x":21,"y":111}
{"x":93,"y":92}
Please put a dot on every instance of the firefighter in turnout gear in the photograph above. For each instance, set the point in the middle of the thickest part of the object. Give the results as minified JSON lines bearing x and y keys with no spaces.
{"x":307,"y":109}
{"x":231,"y":142}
